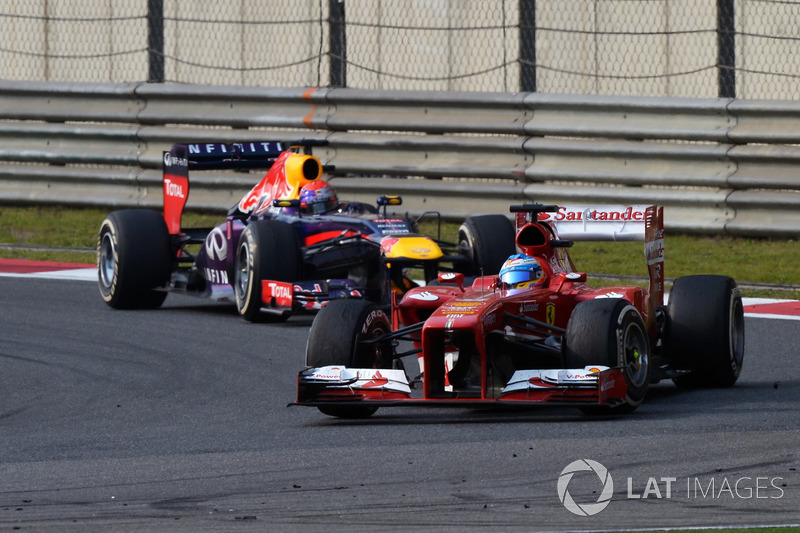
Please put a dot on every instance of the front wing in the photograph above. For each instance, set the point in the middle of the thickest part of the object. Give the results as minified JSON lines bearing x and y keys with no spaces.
{"x":389,"y":387}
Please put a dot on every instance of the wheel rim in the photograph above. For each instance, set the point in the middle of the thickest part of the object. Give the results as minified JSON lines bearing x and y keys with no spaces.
{"x":464,"y":247}
{"x":736,"y":333}
{"x":106,"y":260}
{"x":243,"y":271}
{"x":372,"y":353}
{"x":635,"y":355}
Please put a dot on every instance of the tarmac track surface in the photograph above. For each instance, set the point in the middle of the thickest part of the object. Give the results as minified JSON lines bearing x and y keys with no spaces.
{"x":177,"y":419}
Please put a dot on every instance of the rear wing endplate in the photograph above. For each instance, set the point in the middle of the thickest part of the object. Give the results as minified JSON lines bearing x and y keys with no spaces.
{"x":216,"y":156}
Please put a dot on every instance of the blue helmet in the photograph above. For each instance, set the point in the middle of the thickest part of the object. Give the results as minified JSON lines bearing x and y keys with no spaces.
{"x":521,"y":272}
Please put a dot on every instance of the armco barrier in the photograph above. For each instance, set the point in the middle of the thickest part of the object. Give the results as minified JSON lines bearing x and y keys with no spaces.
{"x":718,"y":165}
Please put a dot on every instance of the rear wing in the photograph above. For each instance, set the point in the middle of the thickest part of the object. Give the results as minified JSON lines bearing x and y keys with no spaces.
{"x":618,"y":223}
{"x":218,"y":156}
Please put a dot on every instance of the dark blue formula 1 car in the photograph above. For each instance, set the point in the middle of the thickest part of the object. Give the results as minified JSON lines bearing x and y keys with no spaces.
{"x":289,"y":244}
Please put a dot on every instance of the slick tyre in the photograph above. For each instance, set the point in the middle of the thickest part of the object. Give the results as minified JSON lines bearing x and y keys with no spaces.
{"x":134,"y":259}
{"x":610,"y":332}
{"x":705,"y":330}
{"x":267,"y":250}
{"x":337,"y":337}
{"x":486,"y":241}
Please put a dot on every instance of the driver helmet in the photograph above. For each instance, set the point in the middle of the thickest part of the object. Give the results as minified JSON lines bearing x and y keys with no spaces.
{"x":521,"y":272}
{"x":317,"y":197}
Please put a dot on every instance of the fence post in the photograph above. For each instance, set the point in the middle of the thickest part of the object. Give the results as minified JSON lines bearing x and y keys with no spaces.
{"x":527,"y":45}
{"x":155,"y":40}
{"x":338,"y":43}
{"x":726,"y":49}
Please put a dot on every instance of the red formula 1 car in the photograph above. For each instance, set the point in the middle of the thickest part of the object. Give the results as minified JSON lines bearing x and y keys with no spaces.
{"x":534,"y":334}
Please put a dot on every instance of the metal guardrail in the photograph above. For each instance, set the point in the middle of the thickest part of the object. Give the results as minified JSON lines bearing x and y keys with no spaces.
{"x":718,"y":165}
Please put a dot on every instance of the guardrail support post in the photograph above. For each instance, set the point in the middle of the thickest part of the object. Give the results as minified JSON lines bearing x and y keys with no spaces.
{"x":527,"y":45}
{"x":155,"y":40}
{"x":726,"y":49}
{"x":338,"y":43}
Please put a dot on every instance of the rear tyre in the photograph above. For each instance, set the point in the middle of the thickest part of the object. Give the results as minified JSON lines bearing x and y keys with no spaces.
{"x":336,"y":338}
{"x":610,"y":332}
{"x":267,"y":250}
{"x":705,"y":330}
{"x":134,"y":259}
{"x":487,"y":241}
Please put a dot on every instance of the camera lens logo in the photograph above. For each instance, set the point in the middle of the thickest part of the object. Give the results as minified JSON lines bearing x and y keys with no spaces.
{"x":585,"y":509}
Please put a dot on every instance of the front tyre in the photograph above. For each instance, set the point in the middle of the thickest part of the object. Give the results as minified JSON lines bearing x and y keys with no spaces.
{"x":337,"y":337}
{"x":267,"y":250}
{"x":610,"y":332}
{"x":134,"y":259}
{"x":705,"y":330}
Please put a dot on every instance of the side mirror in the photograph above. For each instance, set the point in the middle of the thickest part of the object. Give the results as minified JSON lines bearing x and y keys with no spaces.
{"x":576,"y":276}
{"x":452,"y":277}
{"x":285,"y":202}
{"x":389,"y":200}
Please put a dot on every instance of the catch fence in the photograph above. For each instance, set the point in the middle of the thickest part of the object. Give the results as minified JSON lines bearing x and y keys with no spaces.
{"x":664,"y":48}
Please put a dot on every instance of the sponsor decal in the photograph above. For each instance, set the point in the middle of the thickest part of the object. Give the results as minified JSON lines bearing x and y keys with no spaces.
{"x":281,"y":292}
{"x":424,"y":296}
{"x":611,"y":294}
{"x":578,"y":376}
{"x":372,"y":317}
{"x":171,"y":159}
{"x":608,"y":384}
{"x":529,"y":307}
{"x":332,"y":373}
{"x":608,"y":214}
{"x":263,"y":148}
{"x":481,"y":298}
{"x":387,"y":244}
{"x":217,"y":245}
{"x":216,"y":276}
{"x":376,"y":381}
{"x":550,"y":313}
{"x":392,"y":225}
{"x":654,"y":251}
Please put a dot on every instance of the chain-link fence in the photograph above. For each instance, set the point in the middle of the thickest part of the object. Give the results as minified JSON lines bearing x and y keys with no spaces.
{"x":691,"y":48}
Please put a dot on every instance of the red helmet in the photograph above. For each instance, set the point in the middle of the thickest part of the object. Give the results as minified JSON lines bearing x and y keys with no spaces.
{"x":317,"y":197}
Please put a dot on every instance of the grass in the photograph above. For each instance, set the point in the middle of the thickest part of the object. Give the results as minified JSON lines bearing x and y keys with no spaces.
{"x":64,"y":234}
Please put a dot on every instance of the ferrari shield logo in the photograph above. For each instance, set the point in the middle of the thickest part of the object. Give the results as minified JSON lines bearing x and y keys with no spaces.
{"x":550,"y":313}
